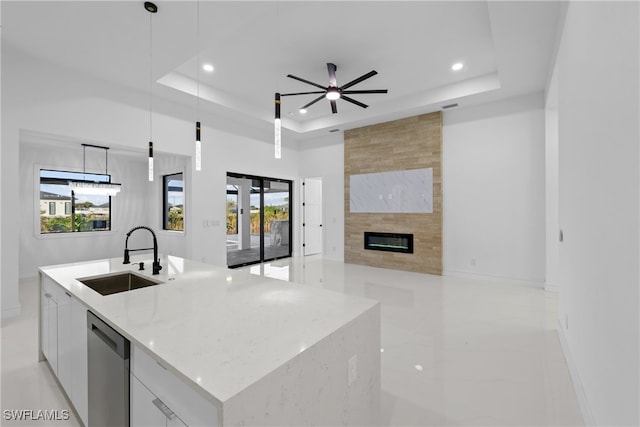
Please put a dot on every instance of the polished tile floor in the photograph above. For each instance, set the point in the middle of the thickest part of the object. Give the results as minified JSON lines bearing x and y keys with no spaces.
{"x":454,"y":351}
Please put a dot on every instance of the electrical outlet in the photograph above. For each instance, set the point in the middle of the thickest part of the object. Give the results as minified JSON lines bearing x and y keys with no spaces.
{"x":353,"y":369}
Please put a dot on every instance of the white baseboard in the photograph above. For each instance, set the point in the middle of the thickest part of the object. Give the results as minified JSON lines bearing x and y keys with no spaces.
{"x":11,"y":311}
{"x":499,"y":279}
{"x":551,"y":288}
{"x":585,"y":408}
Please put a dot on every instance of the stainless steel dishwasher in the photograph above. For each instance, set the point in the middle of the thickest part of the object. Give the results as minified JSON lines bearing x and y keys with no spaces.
{"x":109,"y":355}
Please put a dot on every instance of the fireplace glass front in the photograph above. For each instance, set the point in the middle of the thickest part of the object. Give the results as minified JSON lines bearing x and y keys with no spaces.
{"x":390,"y":242}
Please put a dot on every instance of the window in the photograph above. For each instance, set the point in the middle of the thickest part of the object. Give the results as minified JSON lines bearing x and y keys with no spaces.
{"x":64,"y":212}
{"x":173,"y":202}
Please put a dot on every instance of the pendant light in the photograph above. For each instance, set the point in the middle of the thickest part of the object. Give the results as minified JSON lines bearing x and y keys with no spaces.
{"x":151,"y":8}
{"x":278,"y":129}
{"x":277,"y":122}
{"x":198,"y":144}
{"x":94,"y":188}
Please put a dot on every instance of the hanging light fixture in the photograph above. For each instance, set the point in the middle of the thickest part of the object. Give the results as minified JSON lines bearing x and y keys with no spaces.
{"x":150,"y":161}
{"x":277,"y":123}
{"x":198,"y":144}
{"x":88,"y":187}
{"x":151,"y":8}
{"x":278,"y":129}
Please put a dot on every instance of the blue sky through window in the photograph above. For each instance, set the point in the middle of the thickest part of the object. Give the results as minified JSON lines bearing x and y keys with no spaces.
{"x":63,"y":189}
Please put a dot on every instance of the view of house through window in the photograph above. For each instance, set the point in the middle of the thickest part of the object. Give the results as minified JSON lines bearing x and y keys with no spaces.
{"x":64,"y":212}
{"x":173,"y":202}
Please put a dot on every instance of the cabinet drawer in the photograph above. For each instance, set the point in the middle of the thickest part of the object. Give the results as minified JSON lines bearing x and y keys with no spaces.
{"x":144,"y":413}
{"x":188,"y":404}
{"x":50,"y":288}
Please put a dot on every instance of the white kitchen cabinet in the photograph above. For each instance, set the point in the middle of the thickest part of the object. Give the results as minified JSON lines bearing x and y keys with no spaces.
{"x":63,"y":325}
{"x":44,"y":322}
{"x":147,"y":410}
{"x":79,"y":368}
{"x":181,"y":404}
{"x":49,"y":315}
{"x":175,"y":422}
{"x":64,"y":340}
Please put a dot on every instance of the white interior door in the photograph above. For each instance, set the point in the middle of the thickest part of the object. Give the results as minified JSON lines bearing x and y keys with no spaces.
{"x":312,"y":216}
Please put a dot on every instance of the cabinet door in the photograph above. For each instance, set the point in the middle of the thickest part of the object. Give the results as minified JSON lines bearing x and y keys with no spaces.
{"x":175,"y":422}
{"x":64,"y":341}
{"x":189,"y":407}
{"x":144,"y":413}
{"x":49,"y":322}
{"x":44,"y":323}
{"x":79,"y":373}
{"x":52,"y":332}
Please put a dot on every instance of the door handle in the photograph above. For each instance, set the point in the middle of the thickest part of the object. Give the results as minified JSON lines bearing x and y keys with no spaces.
{"x":164,"y":408}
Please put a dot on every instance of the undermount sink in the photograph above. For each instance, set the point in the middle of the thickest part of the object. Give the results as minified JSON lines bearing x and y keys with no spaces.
{"x":119,"y":282}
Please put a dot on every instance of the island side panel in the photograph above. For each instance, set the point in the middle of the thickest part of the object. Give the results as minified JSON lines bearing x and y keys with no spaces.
{"x":314,"y":387}
{"x":41,"y":357}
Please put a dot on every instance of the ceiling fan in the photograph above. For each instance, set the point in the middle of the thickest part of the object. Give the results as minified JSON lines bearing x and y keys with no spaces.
{"x":333,"y":92}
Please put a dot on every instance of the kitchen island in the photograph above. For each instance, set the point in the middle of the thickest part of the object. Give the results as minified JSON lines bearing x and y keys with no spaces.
{"x":243,"y":349}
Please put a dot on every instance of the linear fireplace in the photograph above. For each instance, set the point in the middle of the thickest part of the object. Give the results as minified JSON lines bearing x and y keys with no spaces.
{"x":390,"y":242}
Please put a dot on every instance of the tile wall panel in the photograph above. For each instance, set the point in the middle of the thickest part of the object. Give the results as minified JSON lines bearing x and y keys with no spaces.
{"x":411,"y":143}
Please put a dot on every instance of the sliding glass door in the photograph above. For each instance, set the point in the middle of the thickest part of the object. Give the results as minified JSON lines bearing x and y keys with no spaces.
{"x":258,"y":219}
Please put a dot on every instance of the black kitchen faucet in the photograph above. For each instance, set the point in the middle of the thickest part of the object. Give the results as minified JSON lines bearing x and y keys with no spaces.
{"x":156,"y":261}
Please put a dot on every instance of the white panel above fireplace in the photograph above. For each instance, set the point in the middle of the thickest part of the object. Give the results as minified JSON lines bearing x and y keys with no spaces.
{"x":403,"y":191}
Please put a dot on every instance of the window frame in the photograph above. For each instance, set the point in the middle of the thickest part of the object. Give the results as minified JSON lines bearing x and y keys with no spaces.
{"x":37,"y":230}
{"x":164,"y":217}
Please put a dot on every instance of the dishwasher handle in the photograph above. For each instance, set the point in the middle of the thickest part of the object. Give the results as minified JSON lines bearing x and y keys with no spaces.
{"x":119,"y":344}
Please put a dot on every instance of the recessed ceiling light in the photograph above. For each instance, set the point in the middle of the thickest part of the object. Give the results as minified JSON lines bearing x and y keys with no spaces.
{"x":457,"y":66}
{"x":303,"y":111}
{"x":208,"y":68}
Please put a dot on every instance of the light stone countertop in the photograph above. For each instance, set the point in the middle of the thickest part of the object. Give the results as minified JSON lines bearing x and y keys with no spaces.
{"x":220,"y":329}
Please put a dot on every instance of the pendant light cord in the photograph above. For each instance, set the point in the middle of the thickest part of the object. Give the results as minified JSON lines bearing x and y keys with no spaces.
{"x":198,"y":60}
{"x":150,"y":77}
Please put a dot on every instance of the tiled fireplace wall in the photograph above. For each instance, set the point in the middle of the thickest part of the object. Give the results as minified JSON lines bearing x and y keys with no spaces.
{"x":411,"y":143}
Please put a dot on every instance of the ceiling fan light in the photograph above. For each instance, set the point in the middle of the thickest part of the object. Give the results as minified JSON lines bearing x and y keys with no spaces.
{"x":333,"y":94}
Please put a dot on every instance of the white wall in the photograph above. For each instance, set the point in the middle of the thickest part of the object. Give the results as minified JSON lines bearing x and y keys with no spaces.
{"x":493,"y":190}
{"x":59,"y":102}
{"x":169,"y":242}
{"x":231,"y":153}
{"x":552,"y":203}
{"x":598,"y":110}
{"x":127,"y":208}
{"x":493,"y":184}
{"x":324,"y":158}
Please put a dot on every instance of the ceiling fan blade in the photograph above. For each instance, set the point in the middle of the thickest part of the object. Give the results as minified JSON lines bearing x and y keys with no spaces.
{"x":303,"y":93}
{"x":306,"y":81}
{"x":313,"y":102}
{"x":353,"y":101}
{"x":332,"y":74}
{"x":334,"y":107}
{"x":365,"y":91}
{"x":359,"y":79}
